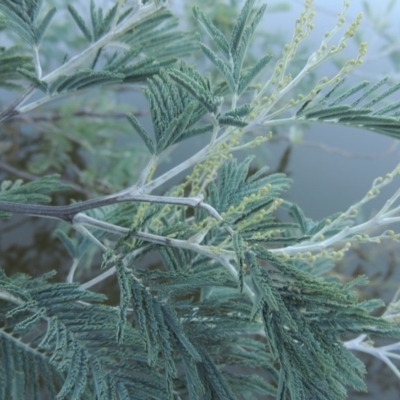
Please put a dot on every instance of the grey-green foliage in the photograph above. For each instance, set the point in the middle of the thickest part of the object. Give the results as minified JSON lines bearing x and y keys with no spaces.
{"x":187,"y":327}
{"x":23,"y":18}
{"x":173,"y":110}
{"x":303,"y":318}
{"x":70,"y":340}
{"x":155,"y":35}
{"x":31,"y":192}
{"x":176,"y":341}
{"x":10,"y":59}
{"x":234,"y":51}
{"x":384,"y":120}
{"x":101,"y":24}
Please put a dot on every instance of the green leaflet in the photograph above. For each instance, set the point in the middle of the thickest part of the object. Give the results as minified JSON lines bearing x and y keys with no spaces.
{"x":240,"y":53}
{"x":176,"y":128}
{"x":83,"y":79}
{"x":10,"y":59}
{"x":142,"y":132}
{"x":242,"y":111}
{"x":215,"y":379}
{"x":201,"y":94}
{"x":125,"y":299}
{"x":43,"y":25}
{"x":68,"y":341}
{"x":348,"y":114}
{"x":31,"y":77}
{"x":174,"y":112}
{"x":22,"y":18}
{"x":250,"y":73}
{"x":330,"y":112}
{"x":349,"y":93}
{"x":240,"y":25}
{"x":100,"y":24}
{"x":231,"y":64}
{"x":371,"y":90}
{"x":262,"y":282}
{"x":383,"y":95}
{"x":80,"y":22}
{"x":119,"y":61}
{"x":233,"y":184}
{"x":30,"y":192}
{"x":238,"y":246}
{"x":232,"y":121}
{"x":283,"y":328}
{"x":221,"y":65}
{"x":157,"y":34}
{"x":387,"y":109}
{"x":216,"y":35}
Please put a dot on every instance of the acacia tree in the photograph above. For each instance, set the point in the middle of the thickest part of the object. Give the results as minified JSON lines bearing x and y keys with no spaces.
{"x":242,"y":304}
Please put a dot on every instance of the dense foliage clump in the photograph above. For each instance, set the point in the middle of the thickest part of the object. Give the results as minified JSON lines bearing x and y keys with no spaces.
{"x":240,"y":303}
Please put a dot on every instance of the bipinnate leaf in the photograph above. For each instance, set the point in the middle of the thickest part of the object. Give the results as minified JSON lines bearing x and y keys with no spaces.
{"x":174,"y":111}
{"x":366,"y":117}
{"x":216,"y":35}
{"x":241,"y":51}
{"x":223,"y":66}
{"x":41,"y":28}
{"x":22,"y":18}
{"x":18,"y":21}
{"x":238,"y":246}
{"x":80,"y":22}
{"x":235,"y":52}
{"x":249,"y":74}
{"x":176,"y":128}
{"x":83,"y":79}
{"x":30,"y":192}
{"x":239,"y":27}
{"x":137,"y":126}
{"x":201,"y":94}
{"x":32,"y":78}
{"x":10,"y":59}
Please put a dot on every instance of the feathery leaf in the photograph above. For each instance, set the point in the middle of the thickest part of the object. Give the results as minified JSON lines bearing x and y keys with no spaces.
{"x":80,"y":22}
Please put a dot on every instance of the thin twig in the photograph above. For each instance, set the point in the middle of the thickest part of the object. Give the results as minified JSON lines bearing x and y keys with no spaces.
{"x":30,"y":177}
{"x":56,"y":116}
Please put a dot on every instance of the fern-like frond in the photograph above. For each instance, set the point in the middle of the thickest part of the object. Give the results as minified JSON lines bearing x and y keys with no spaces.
{"x":11,"y":59}
{"x":383,"y":120}
{"x":174,"y":112}
{"x":166,"y":330}
{"x":197,"y":87}
{"x":84,"y":79}
{"x":30,"y":192}
{"x":234,"y":52}
{"x":62,"y":335}
{"x":80,"y":22}
{"x":158,"y":37}
{"x":101,"y":23}
{"x":32,"y":78}
{"x":310,"y":227}
{"x":216,"y":35}
{"x":304,"y":334}
{"x":22,"y":18}
{"x":233,"y":185}
{"x":155,"y":36}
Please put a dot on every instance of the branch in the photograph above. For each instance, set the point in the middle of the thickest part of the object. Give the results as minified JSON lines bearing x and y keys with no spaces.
{"x":11,"y":110}
{"x":222,"y":256}
{"x":387,"y":215}
{"x":30,"y":177}
{"x":56,"y":116}
{"x":67,"y":213}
